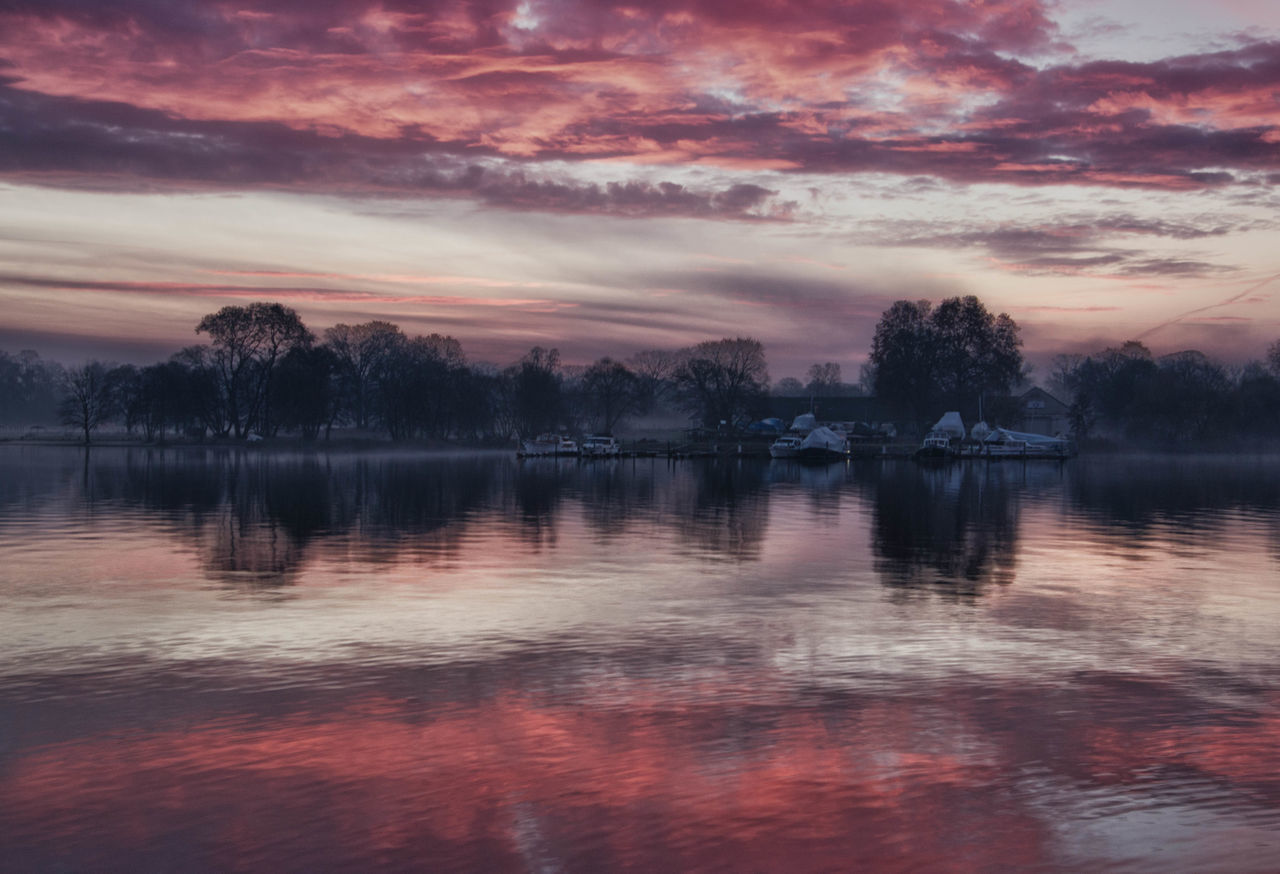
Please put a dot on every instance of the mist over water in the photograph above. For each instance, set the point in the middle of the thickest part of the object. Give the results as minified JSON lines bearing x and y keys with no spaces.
{"x":222,"y":660}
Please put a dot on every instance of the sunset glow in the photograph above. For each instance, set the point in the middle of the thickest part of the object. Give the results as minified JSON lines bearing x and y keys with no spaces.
{"x":607,"y":177}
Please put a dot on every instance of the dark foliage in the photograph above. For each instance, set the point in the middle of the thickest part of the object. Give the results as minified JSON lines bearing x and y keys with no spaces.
{"x":722,"y":381}
{"x":30,"y":389}
{"x":305,"y":390}
{"x":263,"y":374}
{"x":534,"y":392}
{"x":1183,"y":399}
{"x":926,"y":360}
{"x":247,"y":343}
{"x":610,"y":392}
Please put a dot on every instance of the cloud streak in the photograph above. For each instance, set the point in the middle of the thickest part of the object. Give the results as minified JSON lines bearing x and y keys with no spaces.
{"x":472,"y":100}
{"x":919,"y":147}
{"x":273,"y":292}
{"x":117,"y":147}
{"x":1097,"y":245}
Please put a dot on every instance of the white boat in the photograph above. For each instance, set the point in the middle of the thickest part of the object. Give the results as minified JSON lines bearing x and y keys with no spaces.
{"x":545,"y":445}
{"x":600,"y":446}
{"x":804,"y":423}
{"x":786,"y":446}
{"x":1003,"y":443}
{"x":937,"y":444}
{"x":823,"y":444}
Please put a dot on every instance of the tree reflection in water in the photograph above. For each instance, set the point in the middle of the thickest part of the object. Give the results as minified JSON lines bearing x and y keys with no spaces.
{"x":950,"y":529}
{"x":643,"y":665}
{"x":1137,"y":502}
{"x":255,"y":518}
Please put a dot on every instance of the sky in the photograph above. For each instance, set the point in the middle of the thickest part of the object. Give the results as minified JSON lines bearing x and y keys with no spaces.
{"x":605,"y":178}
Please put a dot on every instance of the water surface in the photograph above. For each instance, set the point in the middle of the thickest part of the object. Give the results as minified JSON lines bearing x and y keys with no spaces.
{"x":221,"y":660}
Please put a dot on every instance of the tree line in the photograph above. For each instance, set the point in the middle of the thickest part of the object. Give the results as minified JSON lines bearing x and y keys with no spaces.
{"x":1186,"y":398}
{"x":263,"y":372}
{"x":957,"y":355}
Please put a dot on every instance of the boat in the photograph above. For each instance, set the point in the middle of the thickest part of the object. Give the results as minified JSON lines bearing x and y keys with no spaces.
{"x":546,"y":445}
{"x":790,"y":443}
{"x":786,"y":446}
{"x":936,"y":445}
{"x":804,"y":423}
{"x":600,"y":446}
{"x":823,"y":444}
{"x":1003,"y":443}
{"x":943,"y":438}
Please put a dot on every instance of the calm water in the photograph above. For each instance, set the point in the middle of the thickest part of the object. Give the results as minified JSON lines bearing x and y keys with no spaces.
{"x":221,"y":661}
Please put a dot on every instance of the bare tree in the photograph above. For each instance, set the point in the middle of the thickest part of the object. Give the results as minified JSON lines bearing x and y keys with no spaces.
{"x":655,"y":369}
{"x":789,"y":387}
{"x":362,"y":351}
{"x":824,"y":379}
{"x":1062,"y":378}
{"x":247,"y":343}
{"x":88,"y":397}
{"x":720,"y":380}
{"x":610,"y":392}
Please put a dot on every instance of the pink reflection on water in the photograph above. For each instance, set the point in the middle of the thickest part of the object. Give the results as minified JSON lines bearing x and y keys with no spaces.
{"x":491,"y":667}
{"x":510,"y":780}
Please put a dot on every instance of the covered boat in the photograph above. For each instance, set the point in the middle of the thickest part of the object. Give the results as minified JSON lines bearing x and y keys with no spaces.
{"x":823,"y":444}
{"x":950,"y":424}
{"x":804,"y":423}
{"x":1003,"y":443}
{"x":790,"y":443}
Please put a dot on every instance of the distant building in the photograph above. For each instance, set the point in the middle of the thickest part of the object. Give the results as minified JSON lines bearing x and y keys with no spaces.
{"x":1042,"y":413}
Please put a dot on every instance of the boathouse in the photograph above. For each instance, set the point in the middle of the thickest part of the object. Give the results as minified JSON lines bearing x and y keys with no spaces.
{"x":1042,"y":413}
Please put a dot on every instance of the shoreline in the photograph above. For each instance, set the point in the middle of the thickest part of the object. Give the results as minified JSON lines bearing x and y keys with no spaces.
{"x":895,"y":452}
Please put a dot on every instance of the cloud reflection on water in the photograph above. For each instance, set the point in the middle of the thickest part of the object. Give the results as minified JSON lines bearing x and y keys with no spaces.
{"x":469,"y":663}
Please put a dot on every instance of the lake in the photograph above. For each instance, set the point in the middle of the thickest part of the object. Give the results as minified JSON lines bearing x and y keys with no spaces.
{"x":220,"y":660}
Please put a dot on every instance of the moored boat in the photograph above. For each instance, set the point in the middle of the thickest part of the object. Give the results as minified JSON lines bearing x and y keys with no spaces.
{"x":943,"y":439}
{"x":600,"y":446}
{"x":1003,"y":443}
{"x":786,"y":446}
{"x":823,"y":444}
{"x":546,"y":445}
{"x":936,"y":445}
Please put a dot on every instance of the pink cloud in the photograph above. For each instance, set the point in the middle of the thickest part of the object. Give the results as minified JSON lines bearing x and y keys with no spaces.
{"x":276,"y":292}
{"x":372,"y":97}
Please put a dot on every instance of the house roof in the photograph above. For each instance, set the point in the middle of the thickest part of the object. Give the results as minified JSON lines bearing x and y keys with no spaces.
{"x":1049,"y":404}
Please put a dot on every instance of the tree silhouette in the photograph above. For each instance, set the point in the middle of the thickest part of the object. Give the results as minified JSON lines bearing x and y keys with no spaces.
{"x":824,"y":379}
{"x":247,"y":343}
{"x":362,"y":352}
{"x":536,"y":398}
{"x":89,"y":398}
{"x":722,"y":380}
{"x":611,"y":392}
{"x":926,"y":360}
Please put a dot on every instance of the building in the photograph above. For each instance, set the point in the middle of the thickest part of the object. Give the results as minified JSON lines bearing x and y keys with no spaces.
{"x":1042,"y":413}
